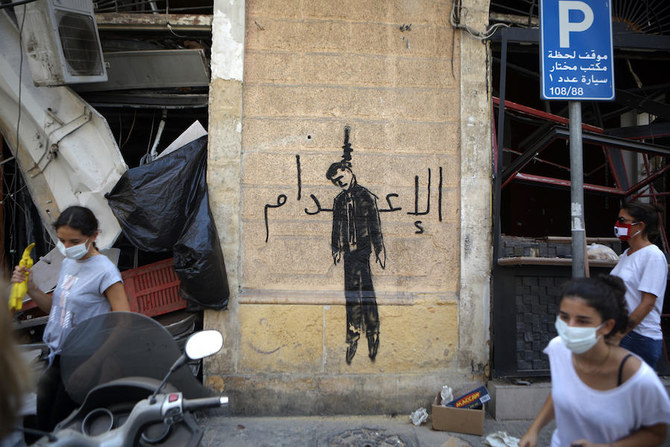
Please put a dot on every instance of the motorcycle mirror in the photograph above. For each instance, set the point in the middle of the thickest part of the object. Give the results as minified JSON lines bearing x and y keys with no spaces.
{"x":199,"y":345}
{"x":203,"y":344}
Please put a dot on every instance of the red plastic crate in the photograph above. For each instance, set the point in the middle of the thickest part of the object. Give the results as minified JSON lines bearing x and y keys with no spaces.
{"x":153,"y":289}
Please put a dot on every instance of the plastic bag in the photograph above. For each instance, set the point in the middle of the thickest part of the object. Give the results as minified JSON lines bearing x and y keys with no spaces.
{"x":446,"y":395}
{"x":601,"y":252}
{"x":164,"y":206}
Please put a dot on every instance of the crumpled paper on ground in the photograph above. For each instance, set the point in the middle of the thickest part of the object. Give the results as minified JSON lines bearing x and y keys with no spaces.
{"x":501,"y":439}
{"x":419,"y":416}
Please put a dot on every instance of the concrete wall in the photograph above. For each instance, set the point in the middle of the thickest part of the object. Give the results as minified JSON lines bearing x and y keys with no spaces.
{"x":391,"y":71}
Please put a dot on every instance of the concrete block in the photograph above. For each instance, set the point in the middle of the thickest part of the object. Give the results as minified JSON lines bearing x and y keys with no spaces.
{"x":297,"y":36}
{"x":419,"y":12}
{"x":407,"y":137}
{"x":284,"y":101}
{"x":318,"y":136}
{"x":424,"y":72}
{"x":307,"y":256}
{"x":320,"y":36}
{"x":424,"y":40}
{"x":348,"y":69}
{"x":516,"y":402}
{"x":276,"y":9}
{"x":368,"y":11}
{"x":272,"y":67}
{"x":225,"y":99}
{"x":405,"y":103}
{"x":374,"y":38}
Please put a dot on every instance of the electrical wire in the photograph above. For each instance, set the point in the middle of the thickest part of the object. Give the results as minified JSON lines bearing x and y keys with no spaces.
{"x":167,"y":20}
{"x":18,"y":204}
{"x":18,"y":119}
{"x":132,"y":126}
{"x":458,"y":11}
{"x":12,"y":187}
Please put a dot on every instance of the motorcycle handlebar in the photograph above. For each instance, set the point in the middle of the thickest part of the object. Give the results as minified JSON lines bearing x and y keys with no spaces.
{"x":144,"y":412}
{"x":205,"y":402}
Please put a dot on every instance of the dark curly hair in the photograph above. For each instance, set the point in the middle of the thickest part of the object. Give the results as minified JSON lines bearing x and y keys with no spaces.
{"x":605,"y":293}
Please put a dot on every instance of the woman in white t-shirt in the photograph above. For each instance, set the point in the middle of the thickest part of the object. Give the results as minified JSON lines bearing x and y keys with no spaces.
{"x":601,"y":394}
{"x":644,"y":270}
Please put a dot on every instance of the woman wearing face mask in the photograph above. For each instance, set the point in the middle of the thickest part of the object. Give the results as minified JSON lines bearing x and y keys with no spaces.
{"x":644,"y":270}
{"x":89,"y":284}
{"x":601,"y":395}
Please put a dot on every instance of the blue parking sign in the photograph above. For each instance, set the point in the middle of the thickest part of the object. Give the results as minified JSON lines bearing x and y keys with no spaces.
{"x":576,"y":50}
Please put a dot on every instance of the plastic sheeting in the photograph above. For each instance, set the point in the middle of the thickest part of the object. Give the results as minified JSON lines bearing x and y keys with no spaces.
{"x":163,"y":206}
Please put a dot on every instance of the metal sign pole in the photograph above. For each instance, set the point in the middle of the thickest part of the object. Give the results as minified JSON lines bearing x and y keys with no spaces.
{"x":577,"y":64}
{"x":577,"y":190}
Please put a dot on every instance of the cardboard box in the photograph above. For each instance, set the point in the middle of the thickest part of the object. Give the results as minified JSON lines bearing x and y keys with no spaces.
{"x":473,"y":399}
{"x":459,"y":420}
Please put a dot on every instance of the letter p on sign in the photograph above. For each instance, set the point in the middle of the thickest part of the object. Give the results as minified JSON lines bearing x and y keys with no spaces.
{"x":565,"y":26}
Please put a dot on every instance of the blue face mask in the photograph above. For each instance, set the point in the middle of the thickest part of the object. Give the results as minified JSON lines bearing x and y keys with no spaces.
{"x":577,"y":339}
{"x":75,"y":252}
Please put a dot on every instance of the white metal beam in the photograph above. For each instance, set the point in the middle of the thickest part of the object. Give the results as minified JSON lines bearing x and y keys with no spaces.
{"x":64,"y":148}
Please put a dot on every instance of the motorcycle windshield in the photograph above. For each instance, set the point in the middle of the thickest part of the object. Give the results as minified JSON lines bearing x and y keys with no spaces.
{"x":117,"y":345}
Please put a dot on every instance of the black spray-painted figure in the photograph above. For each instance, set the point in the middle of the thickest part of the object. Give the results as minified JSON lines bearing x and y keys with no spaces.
{"x":356,"y":232}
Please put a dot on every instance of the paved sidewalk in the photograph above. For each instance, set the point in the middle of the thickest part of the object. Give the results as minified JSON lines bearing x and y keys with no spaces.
{"x":336,"y":431}
{"x":353,"y":431}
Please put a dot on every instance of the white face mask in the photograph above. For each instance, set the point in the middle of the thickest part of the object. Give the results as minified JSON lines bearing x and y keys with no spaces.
{"x":577,"y":339}
{"x":75,"y":252}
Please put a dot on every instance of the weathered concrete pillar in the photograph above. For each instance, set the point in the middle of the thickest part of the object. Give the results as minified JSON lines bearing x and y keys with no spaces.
{"x":476,"y":192}
{"x":224,"y":168}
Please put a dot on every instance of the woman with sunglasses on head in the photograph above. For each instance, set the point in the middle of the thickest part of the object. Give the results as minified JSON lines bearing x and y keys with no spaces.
{"x":644,"y":270}
{"x":89,"y":284}
{"x":601,"y":394}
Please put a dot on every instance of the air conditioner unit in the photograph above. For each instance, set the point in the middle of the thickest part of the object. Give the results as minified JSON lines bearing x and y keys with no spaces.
{"x":60,"y":39}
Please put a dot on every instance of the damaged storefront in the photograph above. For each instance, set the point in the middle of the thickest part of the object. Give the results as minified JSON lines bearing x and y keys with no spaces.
{"x":87,"y":110}
{"x":625,"y":157}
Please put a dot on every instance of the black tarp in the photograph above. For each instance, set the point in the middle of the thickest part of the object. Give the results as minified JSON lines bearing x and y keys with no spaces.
{"x":164,"y":206}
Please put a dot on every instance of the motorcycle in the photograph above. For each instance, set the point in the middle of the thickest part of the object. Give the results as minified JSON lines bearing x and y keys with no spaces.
{"x":114,"y":366}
